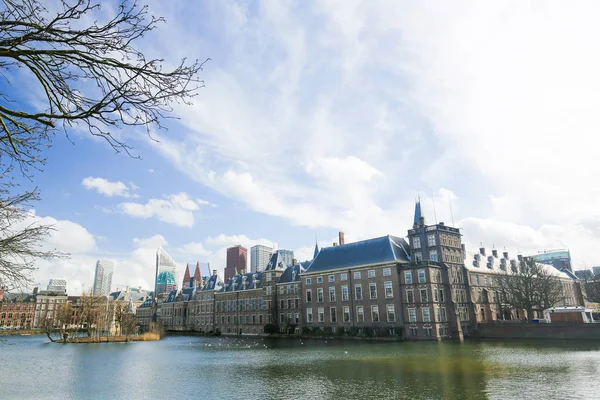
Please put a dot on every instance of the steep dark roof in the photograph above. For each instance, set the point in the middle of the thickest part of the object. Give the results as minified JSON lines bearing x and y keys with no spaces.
{"x":372,"y":251}
{"x":172,"y":297}
{"x":276,"y":262}
{"x":418,"y":214}
{"x":214,"y":282}
{"x":253,"y":279}
{"x":292,"y":274}
{"x":146,"y":304}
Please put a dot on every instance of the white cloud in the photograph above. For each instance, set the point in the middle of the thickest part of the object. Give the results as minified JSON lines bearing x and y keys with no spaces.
{"x":109,"y":188}
{"x":350,"y":108}
{"x":177,"y":209}
{"x":195,"y":248}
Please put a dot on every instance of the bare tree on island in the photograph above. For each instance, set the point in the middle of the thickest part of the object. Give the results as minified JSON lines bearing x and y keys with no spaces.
{"x":530,"y":287}
{"x":90,"y":76}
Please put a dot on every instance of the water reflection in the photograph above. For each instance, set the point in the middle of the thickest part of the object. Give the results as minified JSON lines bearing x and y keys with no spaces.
{"x":185,"y":367}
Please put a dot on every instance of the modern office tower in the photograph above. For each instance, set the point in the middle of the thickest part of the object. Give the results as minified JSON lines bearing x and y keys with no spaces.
{"x":558,"y":258}
{"x":237,"y":261}
{"x":164,"y":263}
{"x":259,"y":257}
{"x":103,"y":277}
{"x":57,"y":285}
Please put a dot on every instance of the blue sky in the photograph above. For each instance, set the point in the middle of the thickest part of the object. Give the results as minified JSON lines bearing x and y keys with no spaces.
{"x":333,"y":115}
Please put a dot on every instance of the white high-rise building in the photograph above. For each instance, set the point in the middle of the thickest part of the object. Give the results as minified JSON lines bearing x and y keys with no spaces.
{"x":103,"y":277}
{"x":164,"y":263}
{"x":259,"y":257}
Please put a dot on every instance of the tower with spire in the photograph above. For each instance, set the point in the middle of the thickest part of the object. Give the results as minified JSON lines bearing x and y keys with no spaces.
{"x":186,"y":277}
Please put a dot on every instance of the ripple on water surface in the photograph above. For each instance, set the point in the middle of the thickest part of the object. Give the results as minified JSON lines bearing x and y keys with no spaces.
{"x":257,"y":368}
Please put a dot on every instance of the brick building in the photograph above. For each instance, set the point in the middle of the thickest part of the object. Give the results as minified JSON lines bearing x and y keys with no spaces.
{"x":17,"y":311}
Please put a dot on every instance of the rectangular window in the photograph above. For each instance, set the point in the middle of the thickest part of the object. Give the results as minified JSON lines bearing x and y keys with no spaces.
{"x":332,"y":294}
{"x":443,"y":314}
{"x":387,"y":272}
{"x":280,"y":289}
{"x":391,"y":313}
{"x":442,"y":295}
{"x":308,"y":281}
{"x":319,"y":279}
{"x":424,"y":297}
{"x":309,"y":315}
{"x":426,"y":316}
{"x":296,"y":303}
{"x":418,"y":256}
{"x":435,"y":295}
{"x":375,"y":313}
{"x":282,"y":304}
{"x":433,"y":255}
{"x":321,"y":314}
{"x":320,"y":295}
{"x":358,"y":292}
{"x":427,"y":331}
{"x":281,"y":318}
{"x":332,"y":315}
{"x":408,"y":277}
{"x":331,"y":278}
{"x":269,"y":290}
{"x":421,"y":273}
{"x":430,"y":240}
{"x":477,"y":279}
{"x":344,"y":277}
{"x":410,"y":296}
{"x":373,"y":290}
{"x":289,"y":303}
{"x":346,"y":314}
{"x":417,"y":242}
{"x":438,"y":314}
{"x":268,"y":277}
{"x":309,"y":295}
{"x":360,"y":314}
{"x":296,"y":318}
{"x":344,"y":293}
{"x":357,"y":275}
{"x":372,"y":273}
{"x":389,"y":293}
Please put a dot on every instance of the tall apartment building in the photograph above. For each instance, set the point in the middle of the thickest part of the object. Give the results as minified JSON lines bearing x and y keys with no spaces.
{"x":237,"y":261}
{"x":259,"y":257}
{"x":103,"y":277}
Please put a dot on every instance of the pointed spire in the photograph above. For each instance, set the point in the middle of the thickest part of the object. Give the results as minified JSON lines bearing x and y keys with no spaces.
{"x":186,"y":277}
{"x":418,"y":213}
{"x":197,"y":275}
{"x":316,"y":250}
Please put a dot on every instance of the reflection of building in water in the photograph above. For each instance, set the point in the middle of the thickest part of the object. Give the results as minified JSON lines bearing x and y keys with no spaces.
{"x":559,"y":259}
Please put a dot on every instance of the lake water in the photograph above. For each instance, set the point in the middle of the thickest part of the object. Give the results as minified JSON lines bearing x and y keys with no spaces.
{"x":222,"y":368}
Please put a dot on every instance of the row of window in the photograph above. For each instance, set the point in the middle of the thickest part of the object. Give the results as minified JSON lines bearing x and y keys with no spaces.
{"x":289,"y":289}
{"x":438,"y":295}
{"x":242,"y":305}
{"x":344,"y":276}
{"x":346,"y":317}
{"x":241,"y":320}
{"x":426,"y":314}
{"x":289,"y":303}
{"x":289,"y":319}
{"x":433,"y":255}
{"x":417,"y":241}
{"x":358,"y":293}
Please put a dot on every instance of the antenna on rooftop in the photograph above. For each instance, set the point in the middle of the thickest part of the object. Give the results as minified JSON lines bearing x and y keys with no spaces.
{"x":433,"y":201}
{"x":451,"y":213}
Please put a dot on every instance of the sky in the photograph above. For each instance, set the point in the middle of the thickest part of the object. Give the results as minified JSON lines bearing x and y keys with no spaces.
{"x":327,"y":116}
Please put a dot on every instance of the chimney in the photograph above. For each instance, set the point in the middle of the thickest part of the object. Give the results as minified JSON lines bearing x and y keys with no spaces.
{"x":482,"y":251}
{"x":505,"y":254}
{"x":341,"y":236}
{"x":118,"y":289}
{"x":294,"y":261}
{"x":334,"y":244}
{"x":495,"y":253}
{"x":214,"y":272}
